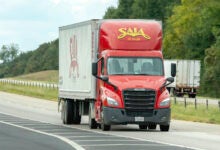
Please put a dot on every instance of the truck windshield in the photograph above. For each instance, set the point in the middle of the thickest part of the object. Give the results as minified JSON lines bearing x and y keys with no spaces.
{"x":135,"y":66}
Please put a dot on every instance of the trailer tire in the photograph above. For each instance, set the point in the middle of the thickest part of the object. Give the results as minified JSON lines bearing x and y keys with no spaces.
{"x":164,"y":128}
{"x":143,"y":127}
{"x":68,"y":112}
{"x":76,"y":115}
{"x":192,"y":95}
{"x":63,"y":111}
{"x":92,"y":123}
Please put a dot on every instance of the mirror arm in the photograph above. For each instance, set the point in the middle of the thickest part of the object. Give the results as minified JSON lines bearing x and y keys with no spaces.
{"x":165,"y":84}
{"x":115,"y":87}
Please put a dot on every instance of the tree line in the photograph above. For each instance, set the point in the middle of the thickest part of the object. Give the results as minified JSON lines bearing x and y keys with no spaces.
{"x":191,"y":31}
{"x":45,"y":57}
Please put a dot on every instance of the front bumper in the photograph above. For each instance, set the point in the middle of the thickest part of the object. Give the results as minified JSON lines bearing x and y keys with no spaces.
{"x":119,"y":116}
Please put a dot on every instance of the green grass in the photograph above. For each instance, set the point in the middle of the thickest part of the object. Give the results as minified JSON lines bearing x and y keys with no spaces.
{"x":38,"y":92}
{"x":50,"y":76}
{"x":201,"y":114}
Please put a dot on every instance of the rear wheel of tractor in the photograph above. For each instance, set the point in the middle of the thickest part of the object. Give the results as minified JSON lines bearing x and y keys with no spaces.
{"x":76,"y":115}
{"x":92,"y":123}
{"x":152,"y":126}
{"x":164,"y":127}
{"x":142,"y":127}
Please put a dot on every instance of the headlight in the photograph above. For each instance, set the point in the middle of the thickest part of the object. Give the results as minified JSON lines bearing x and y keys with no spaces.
{"x":165,"y":102}
{"x":112,"y":101}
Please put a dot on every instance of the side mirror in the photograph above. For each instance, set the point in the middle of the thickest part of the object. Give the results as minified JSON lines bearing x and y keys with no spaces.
{"x":173,"y":69}
{"x":94,"y":69}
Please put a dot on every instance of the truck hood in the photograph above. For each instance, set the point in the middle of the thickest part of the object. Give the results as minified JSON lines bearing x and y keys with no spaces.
{"x":147,"y":82}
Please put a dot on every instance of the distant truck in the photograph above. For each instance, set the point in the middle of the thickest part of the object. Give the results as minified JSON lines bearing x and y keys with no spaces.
{"x":187,"y":80}
{"x":112,"y":70}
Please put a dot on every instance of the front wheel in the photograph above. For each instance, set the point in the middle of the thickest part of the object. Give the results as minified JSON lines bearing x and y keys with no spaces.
{"x":104,"y":126}
{"x":164,"y":127}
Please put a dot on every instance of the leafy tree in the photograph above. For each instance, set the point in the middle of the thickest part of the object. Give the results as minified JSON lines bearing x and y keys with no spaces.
{"x":142,"y":9}
{"x":9,"y":52}
{"x":110,"y":13}
{"x":43,"y":58}
{"x":123,"y":11}
{"x":188,"y":31}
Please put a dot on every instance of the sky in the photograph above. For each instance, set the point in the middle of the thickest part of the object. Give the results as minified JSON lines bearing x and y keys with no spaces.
{"x":30,"y":23}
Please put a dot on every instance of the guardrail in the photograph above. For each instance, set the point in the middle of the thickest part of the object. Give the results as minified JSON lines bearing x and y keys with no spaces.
{"x":196,"y":101}
{"x":29,"y":83}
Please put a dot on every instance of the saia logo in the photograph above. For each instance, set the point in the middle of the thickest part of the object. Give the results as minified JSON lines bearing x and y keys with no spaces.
{"x":132,"y":33}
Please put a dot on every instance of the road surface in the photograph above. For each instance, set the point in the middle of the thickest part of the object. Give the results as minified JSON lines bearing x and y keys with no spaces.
{"x":15,"y":138}
{"x":42,"y":116}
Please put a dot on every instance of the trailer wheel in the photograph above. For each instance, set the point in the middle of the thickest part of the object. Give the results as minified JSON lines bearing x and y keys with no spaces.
{"x":63,"y":111}
{"x":142,"y":127}
{"x":67,"y":112}
{"x":164,"y":127}
{"x":76,"y":115}
{"x":152,"y":126}
{"x":192,"y":95}
{"x":92,"y":123}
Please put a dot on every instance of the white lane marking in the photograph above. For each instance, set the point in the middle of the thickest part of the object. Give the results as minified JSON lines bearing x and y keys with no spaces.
{"x":89,"y":136}
{"x":111,"y":134}
{"x":101,"y":145}
{"x":71,"y":143}
{"x":66,"y":133}
{"x":107,"y":140}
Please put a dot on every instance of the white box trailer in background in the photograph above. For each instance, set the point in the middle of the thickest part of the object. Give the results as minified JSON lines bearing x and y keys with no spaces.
{"x":187,"y":80}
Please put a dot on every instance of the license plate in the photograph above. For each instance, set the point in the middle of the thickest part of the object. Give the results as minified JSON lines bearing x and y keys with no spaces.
{"x":139,"y":119}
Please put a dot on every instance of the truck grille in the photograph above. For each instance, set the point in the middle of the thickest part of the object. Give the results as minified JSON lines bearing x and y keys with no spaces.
{"x":139,"y":102}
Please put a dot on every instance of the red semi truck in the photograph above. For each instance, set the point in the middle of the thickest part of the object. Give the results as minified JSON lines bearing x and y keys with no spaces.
{"x":112,"y":70}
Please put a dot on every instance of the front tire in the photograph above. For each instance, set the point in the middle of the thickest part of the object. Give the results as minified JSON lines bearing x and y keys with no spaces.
{"x":164,"y":128}
{"x":104,"y":126}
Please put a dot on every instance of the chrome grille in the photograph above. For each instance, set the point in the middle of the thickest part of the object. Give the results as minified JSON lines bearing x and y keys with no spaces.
{"x":139,"y":102}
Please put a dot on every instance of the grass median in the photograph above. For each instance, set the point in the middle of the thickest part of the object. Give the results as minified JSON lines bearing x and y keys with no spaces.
{"x":38,"y":92}
{"x":200,"y":114}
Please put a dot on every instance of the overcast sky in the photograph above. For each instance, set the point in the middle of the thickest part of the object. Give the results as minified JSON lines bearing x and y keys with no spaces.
{"x":30,"y":23}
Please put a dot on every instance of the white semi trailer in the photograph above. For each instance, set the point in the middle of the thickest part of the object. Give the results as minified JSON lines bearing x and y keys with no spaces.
{"x":187,"y":80}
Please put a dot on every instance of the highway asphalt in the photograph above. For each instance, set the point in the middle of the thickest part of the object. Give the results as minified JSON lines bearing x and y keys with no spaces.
{"x":15,"y":138}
